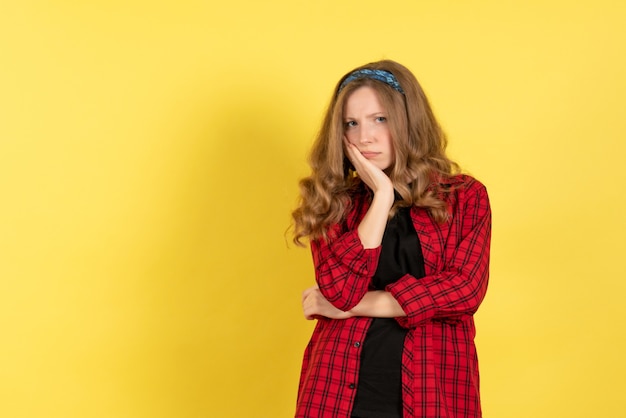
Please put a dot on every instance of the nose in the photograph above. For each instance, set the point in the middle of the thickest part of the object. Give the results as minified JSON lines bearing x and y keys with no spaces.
{"x":365,"y":135}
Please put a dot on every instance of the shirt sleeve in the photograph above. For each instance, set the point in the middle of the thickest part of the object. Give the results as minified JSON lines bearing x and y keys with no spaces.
{"x":460,"y":287}
{"x":343,"y":268}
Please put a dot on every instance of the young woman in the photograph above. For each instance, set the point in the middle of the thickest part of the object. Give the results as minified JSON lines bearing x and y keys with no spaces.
{"x":400,"y":245}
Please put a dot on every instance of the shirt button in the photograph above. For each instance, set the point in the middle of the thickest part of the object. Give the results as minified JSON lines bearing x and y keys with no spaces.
{"x":351,"y":386}
{"x":357,"y":344}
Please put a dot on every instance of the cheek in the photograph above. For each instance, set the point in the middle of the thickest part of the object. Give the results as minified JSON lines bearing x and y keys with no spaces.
{"x":350,"y":136}
{"x":390,"y":143}
{"x":392,"y":152}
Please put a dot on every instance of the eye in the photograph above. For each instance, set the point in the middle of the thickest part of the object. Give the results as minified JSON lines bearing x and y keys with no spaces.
{"x":350,"y":124}
{"x":381,"y":119}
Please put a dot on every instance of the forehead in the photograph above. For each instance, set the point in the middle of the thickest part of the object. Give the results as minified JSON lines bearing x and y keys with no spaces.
{"x":363,"y":99}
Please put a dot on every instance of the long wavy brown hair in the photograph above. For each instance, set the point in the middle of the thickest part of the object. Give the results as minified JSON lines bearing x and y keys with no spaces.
{"x":420,"y":162}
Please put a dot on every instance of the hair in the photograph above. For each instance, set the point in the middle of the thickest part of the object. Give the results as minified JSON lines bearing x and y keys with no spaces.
{"x":420,"y":162}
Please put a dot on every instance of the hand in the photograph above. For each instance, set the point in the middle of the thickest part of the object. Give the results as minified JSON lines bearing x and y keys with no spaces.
{"x":315,"y":305}
{"x":372,"y":176}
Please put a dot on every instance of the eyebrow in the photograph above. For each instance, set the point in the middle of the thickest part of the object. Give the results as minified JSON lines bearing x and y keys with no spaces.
{"x":368,"y":116}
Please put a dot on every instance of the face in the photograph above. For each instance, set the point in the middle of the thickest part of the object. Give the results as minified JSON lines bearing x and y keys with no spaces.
{"x":365,"y":126}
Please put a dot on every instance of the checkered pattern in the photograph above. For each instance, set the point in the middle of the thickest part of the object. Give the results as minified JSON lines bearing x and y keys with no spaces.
{"x":439,"y":365}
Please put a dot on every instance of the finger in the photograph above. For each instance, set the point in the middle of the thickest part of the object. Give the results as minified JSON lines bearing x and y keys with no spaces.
{"x":306,"y":302}
{"x":353,"y":153}
{"x":361,"y":164}
{"x":310,"y":303}
{"x":355,"y":157}
{"x":308,"y":291}
{"x":309,"y":312}
{"x":351,"y":149}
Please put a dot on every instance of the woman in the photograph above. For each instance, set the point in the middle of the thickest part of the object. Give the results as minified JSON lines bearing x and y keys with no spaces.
{"x":400,"y":245}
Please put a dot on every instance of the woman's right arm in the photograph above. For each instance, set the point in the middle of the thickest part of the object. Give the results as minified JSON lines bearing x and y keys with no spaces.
{"x":372,"y":227}
{"x":344,"y":267}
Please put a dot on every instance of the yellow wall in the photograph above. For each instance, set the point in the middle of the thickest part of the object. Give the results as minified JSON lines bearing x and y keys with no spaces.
{"x":149,"y":154}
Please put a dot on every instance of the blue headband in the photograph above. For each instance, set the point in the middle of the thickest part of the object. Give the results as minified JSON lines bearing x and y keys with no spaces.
{"x":380,"y":75}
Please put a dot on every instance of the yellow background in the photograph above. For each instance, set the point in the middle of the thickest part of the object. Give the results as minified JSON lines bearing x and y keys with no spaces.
{"x":149,"y":158}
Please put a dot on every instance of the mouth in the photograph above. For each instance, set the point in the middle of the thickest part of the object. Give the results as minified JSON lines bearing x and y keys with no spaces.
{"x":369,"y":154}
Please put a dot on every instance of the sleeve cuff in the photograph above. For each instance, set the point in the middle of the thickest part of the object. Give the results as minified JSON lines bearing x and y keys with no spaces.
{"x":415,"y":300}
{"x":359,"y":260}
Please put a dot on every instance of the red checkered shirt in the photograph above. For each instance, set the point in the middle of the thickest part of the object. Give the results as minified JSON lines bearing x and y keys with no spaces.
{"x":439,"y":362}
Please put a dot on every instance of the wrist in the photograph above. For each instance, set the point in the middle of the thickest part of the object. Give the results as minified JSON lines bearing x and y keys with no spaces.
{"x":384,"y":198}
{"x":349,"y":314}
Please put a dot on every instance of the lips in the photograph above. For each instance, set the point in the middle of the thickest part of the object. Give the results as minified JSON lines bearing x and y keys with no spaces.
{"x":369,"y":154}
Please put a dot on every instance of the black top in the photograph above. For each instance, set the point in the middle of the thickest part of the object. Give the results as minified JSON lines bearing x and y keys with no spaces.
{"x":379,"y":391}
